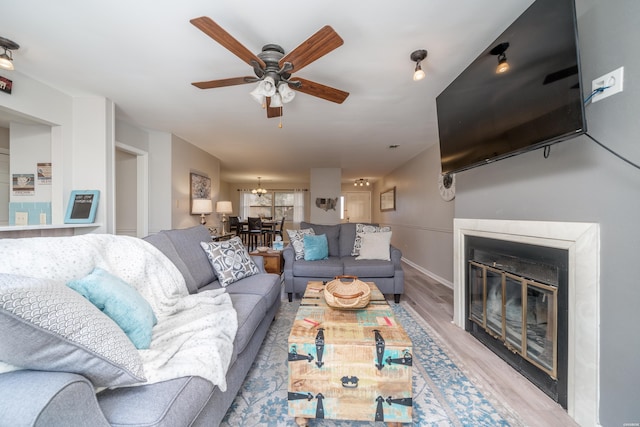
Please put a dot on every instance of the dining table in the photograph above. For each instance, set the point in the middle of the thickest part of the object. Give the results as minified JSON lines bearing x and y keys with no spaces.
{"x":268,"y":225}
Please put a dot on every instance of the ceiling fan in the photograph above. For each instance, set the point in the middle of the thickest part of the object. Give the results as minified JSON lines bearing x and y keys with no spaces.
{"x":273,"y":68}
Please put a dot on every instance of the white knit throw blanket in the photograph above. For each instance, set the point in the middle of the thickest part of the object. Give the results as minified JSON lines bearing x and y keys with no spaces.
{"x":194,"y":334}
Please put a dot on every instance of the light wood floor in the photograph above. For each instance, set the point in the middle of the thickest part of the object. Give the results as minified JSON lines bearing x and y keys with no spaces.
{"x":434,"y":302}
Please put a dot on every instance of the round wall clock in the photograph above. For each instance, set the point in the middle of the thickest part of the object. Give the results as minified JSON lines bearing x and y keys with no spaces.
{"x":447,"y":186}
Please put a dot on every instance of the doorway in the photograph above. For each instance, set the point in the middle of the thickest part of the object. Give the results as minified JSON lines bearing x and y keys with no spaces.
{"x":132,"y":191}
{"x":357,"y":207}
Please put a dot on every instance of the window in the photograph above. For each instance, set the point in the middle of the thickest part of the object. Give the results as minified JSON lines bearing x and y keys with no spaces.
{"x":271,"y":205}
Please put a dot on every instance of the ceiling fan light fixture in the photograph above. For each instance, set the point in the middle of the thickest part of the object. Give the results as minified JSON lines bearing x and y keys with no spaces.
{"x":257,"y":95}
{"x":6,"y":58}
{"x":286,"y":93}
{"x":418,"y":56}
{"x":276,"y":101}
{"x":268,"y":86}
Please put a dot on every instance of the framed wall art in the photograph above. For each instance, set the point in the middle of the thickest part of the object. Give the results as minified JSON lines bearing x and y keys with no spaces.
{"x":200,"y":187}
{"x":388,"y":200}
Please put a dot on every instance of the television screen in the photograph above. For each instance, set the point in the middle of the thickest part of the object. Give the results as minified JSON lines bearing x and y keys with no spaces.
{"x":485,"y":115}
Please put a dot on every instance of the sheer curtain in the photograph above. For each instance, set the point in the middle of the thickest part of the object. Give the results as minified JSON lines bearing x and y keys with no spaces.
{"x":298,"y":206}
{"x":244,"y":205}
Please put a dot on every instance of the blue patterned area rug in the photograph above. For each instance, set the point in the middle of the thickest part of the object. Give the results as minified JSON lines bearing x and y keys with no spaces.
{"x":443,"y":394}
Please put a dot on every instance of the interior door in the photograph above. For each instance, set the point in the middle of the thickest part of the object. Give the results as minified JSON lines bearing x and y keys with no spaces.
{"x":357,"y":206}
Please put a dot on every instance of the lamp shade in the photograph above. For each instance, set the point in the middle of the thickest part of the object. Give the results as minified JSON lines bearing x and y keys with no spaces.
{"x":224,"y":207}
{"x":202,"y":206}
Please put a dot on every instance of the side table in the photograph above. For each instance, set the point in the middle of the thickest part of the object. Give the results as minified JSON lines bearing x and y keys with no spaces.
{"x":273,"y":260}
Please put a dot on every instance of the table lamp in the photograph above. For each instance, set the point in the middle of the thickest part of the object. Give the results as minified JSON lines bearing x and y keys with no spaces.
{"x":202,"y":207}
{"x":224,"y":208}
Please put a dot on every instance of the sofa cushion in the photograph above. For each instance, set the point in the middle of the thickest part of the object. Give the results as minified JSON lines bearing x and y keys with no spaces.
{"x":121,"y":302}
{"x":187,"y":244}
{"x":331,"y":231}
{"x":347,"y":237}
{"x":362,"y":229}
{"x":162,"y":242}
{"x":267,"y":286}
{"x":315,"y":247}
{"x":46,"y":326}
{"x":296,"y":238}
{"x":251,"y":310}
{"x":170,"y":403}
{"x":230,"y":260}
{"x":367,"y":268}
{"x":329,"y":268}
{"x":375,"y":246}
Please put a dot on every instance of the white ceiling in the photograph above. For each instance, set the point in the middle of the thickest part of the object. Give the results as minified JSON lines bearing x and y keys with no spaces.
{"x":144,"y":54}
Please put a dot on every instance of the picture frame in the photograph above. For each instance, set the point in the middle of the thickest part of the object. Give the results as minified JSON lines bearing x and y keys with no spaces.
{"x":82,"y":207}
{"x":388,"y":200}
{"x":200,"y":188}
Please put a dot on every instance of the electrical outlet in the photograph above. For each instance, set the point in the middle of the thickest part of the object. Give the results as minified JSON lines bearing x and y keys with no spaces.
{"x":612,"y":81}
{"x":22,"y":218}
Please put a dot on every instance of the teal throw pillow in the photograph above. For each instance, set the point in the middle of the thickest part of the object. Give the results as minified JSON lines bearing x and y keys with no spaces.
{"x":315,"y":247}
{"x":121,"y":302}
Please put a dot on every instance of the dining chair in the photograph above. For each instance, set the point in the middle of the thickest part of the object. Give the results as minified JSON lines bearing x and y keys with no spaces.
{"x":235,"y":226}
{"x":276,"y":230}
{"x":255,"y":232}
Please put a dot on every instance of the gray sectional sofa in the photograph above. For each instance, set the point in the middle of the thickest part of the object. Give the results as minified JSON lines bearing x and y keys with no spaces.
{"x":387,"y":275}
{"x":45,"y":398}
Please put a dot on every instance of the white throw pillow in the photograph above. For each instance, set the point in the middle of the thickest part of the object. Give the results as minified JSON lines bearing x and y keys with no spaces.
{"x":375,"y":246}
{"x":362,"y":229}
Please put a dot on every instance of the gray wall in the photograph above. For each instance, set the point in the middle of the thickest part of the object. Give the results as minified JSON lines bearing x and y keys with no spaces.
{"x":583,"y":182}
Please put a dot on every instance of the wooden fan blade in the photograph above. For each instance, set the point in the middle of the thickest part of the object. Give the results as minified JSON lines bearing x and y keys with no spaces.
{"x":211,"y":84}
{"x":321,"y":91}
{"x":216,"y":32}
{"x":316,"y":46}
{"x":273,"y":112}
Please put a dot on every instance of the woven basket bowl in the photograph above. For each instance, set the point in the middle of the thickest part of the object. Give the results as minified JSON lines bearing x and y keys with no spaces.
{"x":351,"y":295}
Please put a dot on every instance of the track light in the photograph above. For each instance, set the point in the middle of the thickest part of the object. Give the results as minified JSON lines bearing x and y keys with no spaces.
{"x":418,"y":56}
{"x":6,"y":58}
{"x":499,"y":51}
{"x":361,"y":182}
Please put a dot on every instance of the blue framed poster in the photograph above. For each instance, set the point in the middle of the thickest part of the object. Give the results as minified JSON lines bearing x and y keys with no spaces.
{"x":82,"y":207}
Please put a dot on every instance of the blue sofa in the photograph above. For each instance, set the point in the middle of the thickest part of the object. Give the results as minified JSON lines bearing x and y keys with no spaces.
{"x":45,"y":398}
{"x":387,"y":275}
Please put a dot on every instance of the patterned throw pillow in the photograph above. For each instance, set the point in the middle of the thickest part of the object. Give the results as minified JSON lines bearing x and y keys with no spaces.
{"x":46,"y":326}
{"x":296,"y":238}
{"x":230,"y":260}
{"x":360,"y":230}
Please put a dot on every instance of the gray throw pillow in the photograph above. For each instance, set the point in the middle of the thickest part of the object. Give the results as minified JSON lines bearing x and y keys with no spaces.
{"x":46,"y":326}
{"x":230,"y":260}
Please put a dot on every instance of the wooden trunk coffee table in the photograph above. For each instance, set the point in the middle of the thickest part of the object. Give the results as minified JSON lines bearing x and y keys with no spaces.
{"x":349,"y":364}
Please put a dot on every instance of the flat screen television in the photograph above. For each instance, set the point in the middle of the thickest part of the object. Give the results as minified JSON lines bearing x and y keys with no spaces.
{"x":484,"y":116}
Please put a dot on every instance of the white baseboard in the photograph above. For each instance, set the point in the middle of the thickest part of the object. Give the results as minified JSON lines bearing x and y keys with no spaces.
{"x":426,"y":272}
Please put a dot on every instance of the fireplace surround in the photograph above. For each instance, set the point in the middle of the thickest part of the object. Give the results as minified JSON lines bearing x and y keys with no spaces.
{"x":581,"y":241}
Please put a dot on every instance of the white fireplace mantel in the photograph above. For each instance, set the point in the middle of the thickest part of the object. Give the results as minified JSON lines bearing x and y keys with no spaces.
{"x":582,"y":241}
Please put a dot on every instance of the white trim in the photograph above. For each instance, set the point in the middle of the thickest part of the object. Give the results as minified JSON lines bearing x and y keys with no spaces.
{"x":582,"y":241}
{"x":428,"y":273}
